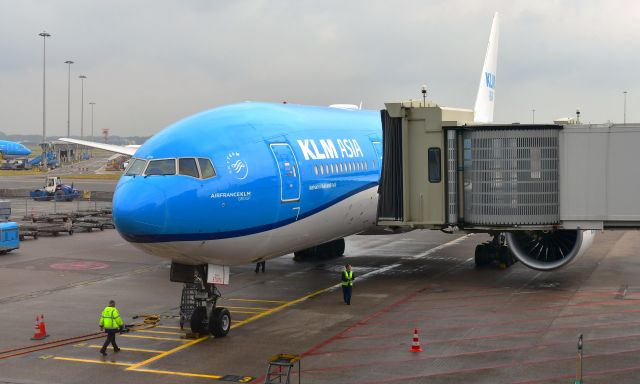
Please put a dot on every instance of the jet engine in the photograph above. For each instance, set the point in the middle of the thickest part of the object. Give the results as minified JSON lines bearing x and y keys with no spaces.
{"x":548,"y":250}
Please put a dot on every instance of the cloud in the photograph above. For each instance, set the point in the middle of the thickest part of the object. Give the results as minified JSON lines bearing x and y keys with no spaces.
{"x":150,"y":63}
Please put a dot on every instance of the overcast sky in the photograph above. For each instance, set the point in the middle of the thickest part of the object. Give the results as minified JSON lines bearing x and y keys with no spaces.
{"x":150,"y":63}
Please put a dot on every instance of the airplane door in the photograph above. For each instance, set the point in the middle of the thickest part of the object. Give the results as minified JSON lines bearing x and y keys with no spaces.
{"x":289,"y":172}
{"x":377,"y":146}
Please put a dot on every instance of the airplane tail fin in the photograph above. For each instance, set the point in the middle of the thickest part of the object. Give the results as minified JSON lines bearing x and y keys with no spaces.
{"x":483,"y":110}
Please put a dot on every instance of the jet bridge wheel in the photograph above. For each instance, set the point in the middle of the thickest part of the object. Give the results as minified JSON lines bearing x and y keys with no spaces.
{"x":220,"y":322}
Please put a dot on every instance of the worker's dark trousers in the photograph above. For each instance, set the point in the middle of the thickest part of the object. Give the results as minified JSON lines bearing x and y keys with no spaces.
{"x":111,"y":339}
{"x":346,"y":294}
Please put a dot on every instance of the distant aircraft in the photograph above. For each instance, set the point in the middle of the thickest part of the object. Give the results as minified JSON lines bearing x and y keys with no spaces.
{"x":253,"y":181}
{"x":9,"y":149}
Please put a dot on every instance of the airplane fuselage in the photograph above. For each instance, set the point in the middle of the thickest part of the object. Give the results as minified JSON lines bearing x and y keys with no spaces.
{"x":13,"y":149}
{"x":287,"y":177}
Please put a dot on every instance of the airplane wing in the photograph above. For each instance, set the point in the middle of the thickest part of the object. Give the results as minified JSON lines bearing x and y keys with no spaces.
{"x":129,"y":150}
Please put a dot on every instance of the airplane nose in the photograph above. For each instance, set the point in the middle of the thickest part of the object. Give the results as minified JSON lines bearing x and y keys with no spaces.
{"x":139,"y":210}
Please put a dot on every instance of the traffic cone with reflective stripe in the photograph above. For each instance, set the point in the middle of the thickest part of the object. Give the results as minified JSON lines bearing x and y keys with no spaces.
{"x":415,"y":346}
{"x":40,"y":333}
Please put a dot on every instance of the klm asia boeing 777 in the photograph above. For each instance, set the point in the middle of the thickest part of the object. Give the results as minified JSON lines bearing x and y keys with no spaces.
{"x":253,"y":181}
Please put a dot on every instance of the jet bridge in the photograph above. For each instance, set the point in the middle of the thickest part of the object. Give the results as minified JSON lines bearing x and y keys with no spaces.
{"x":539,"y":188}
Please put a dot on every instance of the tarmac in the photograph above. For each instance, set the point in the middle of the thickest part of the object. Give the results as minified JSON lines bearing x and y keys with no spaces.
{"x":488,"y":325}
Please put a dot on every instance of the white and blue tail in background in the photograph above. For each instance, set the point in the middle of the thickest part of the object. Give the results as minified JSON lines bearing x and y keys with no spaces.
{"x":483,"y":109}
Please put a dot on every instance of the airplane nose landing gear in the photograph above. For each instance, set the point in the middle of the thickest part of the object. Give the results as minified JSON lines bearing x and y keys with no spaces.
{"x":198,"y":305}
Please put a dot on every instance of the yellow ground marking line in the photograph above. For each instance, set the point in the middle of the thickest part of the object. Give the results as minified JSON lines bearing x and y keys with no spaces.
{"x":167,"y":327}
{"x":246,"y":312}
{"x":160,"y":332}
{"x":130,"y":349}
{"x":177,"y":373}
{"x":253,"y":308}
{"x":153,"y":337}
{"x":136,"y":367}
{"x":167,"y":353}
{"x":257,"y":300}
{"x":280,"y":307}
{"x":91,"y":361}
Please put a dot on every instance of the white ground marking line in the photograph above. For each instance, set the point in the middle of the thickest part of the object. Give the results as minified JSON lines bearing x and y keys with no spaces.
{"x":415,"y":257}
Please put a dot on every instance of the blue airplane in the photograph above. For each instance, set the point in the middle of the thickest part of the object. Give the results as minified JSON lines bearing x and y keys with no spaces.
{"x":252,"y":181}
{"x":10,"y":149}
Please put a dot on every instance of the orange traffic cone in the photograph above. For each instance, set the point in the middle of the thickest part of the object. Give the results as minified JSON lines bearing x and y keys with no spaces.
{"x":43,"y":329}
{"x":40,"y":332}
{"x":415,"y":346}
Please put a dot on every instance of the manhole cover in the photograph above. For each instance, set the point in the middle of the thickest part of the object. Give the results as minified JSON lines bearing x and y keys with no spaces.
{"x":78,"y":266}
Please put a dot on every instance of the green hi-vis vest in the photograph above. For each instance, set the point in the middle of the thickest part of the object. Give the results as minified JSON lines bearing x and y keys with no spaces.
{"x":349,"y":276}
{"x":110,"y":318}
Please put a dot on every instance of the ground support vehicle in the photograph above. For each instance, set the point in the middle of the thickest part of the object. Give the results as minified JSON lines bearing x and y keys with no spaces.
{"x":55,"y":190}
{"x":9,"y":238}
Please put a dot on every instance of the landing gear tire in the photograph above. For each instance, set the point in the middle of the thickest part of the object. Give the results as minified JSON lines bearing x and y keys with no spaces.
{"x":220,"y":322}
{"x":199,"y":320}
{"x":506,"y":257}
{"x":482,"y":255}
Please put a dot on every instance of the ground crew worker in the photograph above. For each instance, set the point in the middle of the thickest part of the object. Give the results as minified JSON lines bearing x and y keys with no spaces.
{"x":110,"y":322}
{"x":347,"y":283}
{"x":260,"y":264}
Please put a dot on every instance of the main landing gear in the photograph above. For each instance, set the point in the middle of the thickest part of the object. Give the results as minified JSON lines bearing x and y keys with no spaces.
{"x":328,"y":250}
{"x":198,"y":305}
{"x":495,"y":252}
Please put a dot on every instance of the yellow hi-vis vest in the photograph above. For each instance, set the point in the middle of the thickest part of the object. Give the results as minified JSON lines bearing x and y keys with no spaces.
{"x":349,"y":276}
{"x":110,"y":318}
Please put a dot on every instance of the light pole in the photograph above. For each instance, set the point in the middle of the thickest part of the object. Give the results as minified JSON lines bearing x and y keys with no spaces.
{"x":533,"y":118}
{"x":82,"y":77}
{"x":92,"y":104}
{"x":44,"y":35}
{"x":624,"y":119}
{"x":69,"y":62}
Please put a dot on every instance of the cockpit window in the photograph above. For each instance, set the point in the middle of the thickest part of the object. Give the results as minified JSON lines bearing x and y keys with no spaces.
{"x":136,"y":167}
{"x":161,"y":167}
{"x":188,"y":167}
{"x":206,"y":168}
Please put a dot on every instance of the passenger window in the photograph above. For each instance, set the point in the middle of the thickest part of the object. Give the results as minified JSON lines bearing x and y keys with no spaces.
{"x":161,"y":167}
{"x":321,"y":169}
{"x":315,"y":169}
{"x":188,"y":167}
{"x":333,"y":170}
{"x":206,"y":168}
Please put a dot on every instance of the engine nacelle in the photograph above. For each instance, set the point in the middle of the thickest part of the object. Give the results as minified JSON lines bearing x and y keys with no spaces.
{"x":548,"y":250}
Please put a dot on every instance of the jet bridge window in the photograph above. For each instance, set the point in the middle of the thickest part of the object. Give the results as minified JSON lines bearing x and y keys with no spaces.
{"x":136,"y":167}
{"x":188,"y":167}
{"x":206,"y":168}
{"x":433,"y":159}
{"x":161,"y":167}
